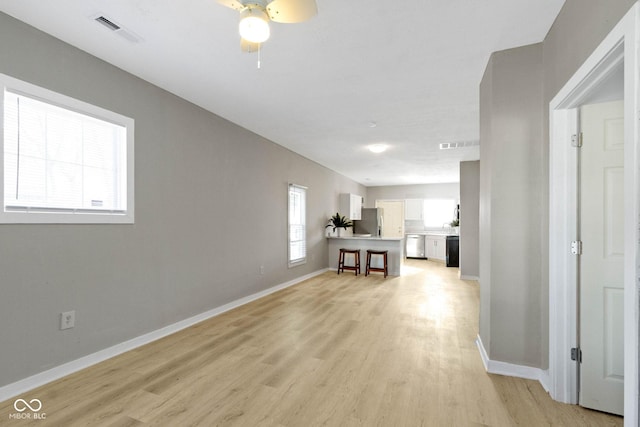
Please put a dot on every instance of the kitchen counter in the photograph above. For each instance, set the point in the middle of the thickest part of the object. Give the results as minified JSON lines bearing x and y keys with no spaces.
{"x":432,"y":233}
{"x":365,"y":238}
{"x":394,"y":245}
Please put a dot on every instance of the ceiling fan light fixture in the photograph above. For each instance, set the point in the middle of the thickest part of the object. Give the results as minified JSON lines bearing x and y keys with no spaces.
{"x":254,"y":25}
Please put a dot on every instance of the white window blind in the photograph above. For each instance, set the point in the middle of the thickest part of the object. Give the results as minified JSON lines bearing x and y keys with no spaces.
{"x":58,"y":160}
{"x":297,"y":225}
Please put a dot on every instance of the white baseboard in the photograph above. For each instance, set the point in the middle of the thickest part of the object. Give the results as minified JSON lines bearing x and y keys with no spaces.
{"x":37,"y":380}
{"x":465,"y":277}
{"x":512,"y":370}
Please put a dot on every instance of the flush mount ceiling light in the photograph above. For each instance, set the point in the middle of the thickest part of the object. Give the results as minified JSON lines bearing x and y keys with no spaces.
{"x":377,"y":148}
{"x":256,"y":14}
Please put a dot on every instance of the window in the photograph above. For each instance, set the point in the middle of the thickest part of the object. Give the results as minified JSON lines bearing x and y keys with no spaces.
{"x":297,"y":225}
{"x":438,"y":212}
{"x":63,"y":161}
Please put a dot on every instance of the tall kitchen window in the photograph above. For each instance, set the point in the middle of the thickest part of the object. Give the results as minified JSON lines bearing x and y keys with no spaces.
{"x":63,"y":160}
{"x":438,"y":213}
{"x":297,"y":225}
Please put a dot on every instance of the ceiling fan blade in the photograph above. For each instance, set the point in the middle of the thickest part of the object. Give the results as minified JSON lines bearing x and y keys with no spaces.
{"x":233,"y":4}
{"x":248,"y":46}
{"x":291,"y":11}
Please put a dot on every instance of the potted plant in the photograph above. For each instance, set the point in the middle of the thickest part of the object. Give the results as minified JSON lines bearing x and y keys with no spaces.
{"x":455,"y":224}
{"x":337,"y":222}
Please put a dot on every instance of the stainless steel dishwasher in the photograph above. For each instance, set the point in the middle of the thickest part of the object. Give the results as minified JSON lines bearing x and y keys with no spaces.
{"x":414,"y":246}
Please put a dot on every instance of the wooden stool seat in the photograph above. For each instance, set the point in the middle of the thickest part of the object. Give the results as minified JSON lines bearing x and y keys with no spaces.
{"x":369,"y":269}
{"x":356,"y":255}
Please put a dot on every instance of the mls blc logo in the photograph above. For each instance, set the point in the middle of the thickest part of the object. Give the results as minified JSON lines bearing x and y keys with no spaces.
{"x":34,"y":406}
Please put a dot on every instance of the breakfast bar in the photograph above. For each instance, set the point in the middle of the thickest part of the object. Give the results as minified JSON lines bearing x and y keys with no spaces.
{"x":393,"y":245}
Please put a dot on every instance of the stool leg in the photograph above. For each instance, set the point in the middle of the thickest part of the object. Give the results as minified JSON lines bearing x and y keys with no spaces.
{"x":340,"y":261}
{"x":355,"y":263}
{"x":385,"y":264}
{"x":366,"y":267}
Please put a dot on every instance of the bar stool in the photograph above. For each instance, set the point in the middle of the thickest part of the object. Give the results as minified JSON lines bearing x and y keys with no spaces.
{"x":356,"y":257}
{"x":384,"y":259}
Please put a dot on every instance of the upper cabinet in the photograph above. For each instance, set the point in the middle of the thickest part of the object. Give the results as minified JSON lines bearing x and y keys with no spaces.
{"x":351,"y":206}
{"x":413,"y":209}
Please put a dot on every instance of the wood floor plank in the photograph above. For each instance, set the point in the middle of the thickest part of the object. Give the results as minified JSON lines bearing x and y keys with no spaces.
{"x":336,"y":350}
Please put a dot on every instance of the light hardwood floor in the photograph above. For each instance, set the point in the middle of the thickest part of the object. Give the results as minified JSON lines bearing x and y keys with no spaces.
{"x":334,"y":351}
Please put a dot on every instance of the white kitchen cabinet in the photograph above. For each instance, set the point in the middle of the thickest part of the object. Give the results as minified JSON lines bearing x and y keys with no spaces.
{"x":435,"y":247}
{"x":413,"y":209}
{"x":351,"y":206}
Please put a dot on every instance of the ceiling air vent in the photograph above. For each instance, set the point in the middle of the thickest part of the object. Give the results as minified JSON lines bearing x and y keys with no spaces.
{"x":108,"y":23}
{"x":117,"y":29}
{"x":459,"y":144}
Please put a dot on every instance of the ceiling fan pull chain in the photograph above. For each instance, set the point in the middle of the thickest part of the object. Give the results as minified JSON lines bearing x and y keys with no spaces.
{"x":259,"y":54}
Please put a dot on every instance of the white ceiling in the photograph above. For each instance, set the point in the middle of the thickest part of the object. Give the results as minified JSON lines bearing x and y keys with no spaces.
{"x":412,"y":68}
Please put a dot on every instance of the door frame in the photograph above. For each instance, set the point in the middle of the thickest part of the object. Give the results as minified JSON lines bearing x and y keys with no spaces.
{"x":620,"y":45}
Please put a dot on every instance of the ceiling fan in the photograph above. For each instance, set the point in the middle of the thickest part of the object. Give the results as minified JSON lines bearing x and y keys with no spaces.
{"x":256,"y":14}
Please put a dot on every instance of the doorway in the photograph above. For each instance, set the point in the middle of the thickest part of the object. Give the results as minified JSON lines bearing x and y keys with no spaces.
{"x":617,"y":55}
{"x":393,"y":217}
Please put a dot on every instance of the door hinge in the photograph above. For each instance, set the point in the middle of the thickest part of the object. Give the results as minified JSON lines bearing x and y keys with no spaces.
{"x":576,"y":140}
{"x":576,"y":247}
{"x":576,"y":354}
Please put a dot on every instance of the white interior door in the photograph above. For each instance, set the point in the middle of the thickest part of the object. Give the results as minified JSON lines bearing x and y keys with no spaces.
{"x":393,"y":217}
{"x":602,"y":262}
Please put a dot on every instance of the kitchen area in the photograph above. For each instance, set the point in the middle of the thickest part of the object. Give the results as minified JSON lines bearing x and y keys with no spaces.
{"x":410,"y":239}
{"x":433,"y":246}
{"x":365,"y":234}
{"x":424,"y":242}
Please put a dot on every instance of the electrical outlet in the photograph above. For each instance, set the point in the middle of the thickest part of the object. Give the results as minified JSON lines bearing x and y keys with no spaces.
{"x":261,"y":270}
{"x":67,"y":320}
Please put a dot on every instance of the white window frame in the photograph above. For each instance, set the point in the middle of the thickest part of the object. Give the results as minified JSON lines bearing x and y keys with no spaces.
{"x":303,"y":260}
{"x":53,"y":216}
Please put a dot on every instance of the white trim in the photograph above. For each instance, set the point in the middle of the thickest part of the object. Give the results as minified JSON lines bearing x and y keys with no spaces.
{"x":562,"y":280}
{"x":465,"y":277}
{"x":562,"y":264}
{"x":510,"y":369}
{"x":631,"y":215}
{"x":483,"y":353}
{"x":37,"y":380}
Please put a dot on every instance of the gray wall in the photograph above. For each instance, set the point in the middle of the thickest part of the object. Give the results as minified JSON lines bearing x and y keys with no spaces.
{"x":469,"y":219}
{"x":211,"y":208}
{"x":514,"y":317}
{"x":421,"y":191}
{"x":511,"y":186}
